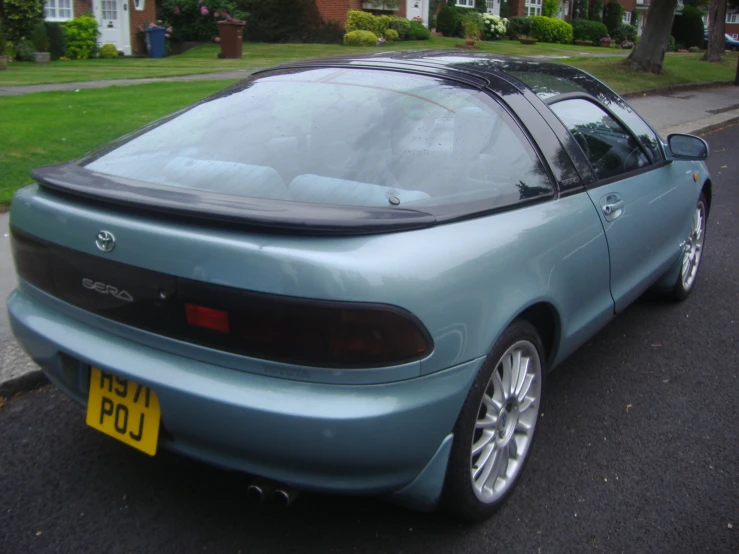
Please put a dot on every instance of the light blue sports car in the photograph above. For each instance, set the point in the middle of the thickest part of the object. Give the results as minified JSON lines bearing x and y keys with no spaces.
{"x":352,"y":275}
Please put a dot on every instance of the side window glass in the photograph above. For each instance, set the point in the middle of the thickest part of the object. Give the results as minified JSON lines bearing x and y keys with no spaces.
{"x":611,"y":149}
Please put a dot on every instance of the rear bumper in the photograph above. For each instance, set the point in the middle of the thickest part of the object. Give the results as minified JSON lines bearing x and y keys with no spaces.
{"x":336,"y":438}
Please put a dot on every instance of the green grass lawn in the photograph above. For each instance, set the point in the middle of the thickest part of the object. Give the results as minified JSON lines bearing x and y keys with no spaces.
{"x":52,"y":127}
{"x":679,"y":69}
{"x":203,"y":59}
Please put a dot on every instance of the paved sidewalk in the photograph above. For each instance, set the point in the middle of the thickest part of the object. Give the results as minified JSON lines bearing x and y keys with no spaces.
{"x":30,"y":89}
{"x":687,"y":111}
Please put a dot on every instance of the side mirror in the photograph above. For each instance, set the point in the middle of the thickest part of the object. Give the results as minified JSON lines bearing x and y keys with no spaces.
{"x":687,"y":147}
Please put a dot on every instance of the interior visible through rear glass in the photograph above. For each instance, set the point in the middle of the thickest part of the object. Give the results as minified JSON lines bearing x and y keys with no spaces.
{"x":343,"y":137}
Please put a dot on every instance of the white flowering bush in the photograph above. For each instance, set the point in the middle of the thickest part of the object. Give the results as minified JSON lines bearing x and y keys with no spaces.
{"x":495,"y":26}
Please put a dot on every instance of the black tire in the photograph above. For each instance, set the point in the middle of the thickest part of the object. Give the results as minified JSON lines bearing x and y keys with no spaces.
{"x":459,"y":498}
{"x":682,"y":289}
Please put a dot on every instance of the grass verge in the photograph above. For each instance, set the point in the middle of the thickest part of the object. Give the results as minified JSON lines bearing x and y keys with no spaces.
{"x":203,"y":59}
{"x":52,"y":127}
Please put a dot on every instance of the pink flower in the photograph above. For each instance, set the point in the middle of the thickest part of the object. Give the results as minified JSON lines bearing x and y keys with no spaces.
{"x":200,"y":2}
{"x":203,"y":10}
{"x":218,"y":39}
{"x":141,"y":27}
{"x":169,"y":29}
{"x":166,"y":35}
{"x":215,"y":14}
{"x":176,"y":10}
{"x":152,"y":25}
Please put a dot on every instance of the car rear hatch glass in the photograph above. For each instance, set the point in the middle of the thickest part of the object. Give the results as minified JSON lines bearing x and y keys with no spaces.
{"x":340,"y":137}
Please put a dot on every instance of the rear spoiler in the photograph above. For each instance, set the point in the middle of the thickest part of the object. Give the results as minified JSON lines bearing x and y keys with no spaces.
{"x":277,"y":215}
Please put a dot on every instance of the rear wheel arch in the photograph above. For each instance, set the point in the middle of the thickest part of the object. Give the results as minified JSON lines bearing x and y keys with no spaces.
{"x":708,"y":193}
{"x":545,"y":318}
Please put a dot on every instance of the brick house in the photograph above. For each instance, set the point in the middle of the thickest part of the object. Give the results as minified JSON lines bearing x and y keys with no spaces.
{"x":335,"y":10}
{"x":117,"y":19}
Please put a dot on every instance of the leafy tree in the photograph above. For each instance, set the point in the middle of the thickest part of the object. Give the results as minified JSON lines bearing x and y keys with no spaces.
{"x":21,"y":17}
{"x":649,"y":53}
{"x":687,"y":28}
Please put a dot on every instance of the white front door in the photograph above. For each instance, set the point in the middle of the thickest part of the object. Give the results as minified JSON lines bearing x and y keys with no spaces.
{"x":112,"y":17}
{"x":417,"y":8}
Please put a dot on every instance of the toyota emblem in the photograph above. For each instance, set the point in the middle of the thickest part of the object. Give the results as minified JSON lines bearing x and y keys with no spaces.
{"x":105,"y":241}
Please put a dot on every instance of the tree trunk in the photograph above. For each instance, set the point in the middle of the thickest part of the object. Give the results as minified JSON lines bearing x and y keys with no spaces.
{"x":649,"y":54}
{"x":736,"y":77}
{"x":716,"y":30}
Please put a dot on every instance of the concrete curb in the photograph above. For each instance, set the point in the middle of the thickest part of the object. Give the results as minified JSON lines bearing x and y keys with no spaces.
{"x":716,"y":126}
{"x":676,"y":88}
{"x":23,"y":383}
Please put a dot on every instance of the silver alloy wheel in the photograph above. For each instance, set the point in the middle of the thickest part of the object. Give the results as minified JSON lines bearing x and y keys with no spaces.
{"x":694,"y":247}
{"x":505,"y":423}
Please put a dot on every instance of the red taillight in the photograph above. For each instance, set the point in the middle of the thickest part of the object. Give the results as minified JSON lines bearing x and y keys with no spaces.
{"x":209,"y":318}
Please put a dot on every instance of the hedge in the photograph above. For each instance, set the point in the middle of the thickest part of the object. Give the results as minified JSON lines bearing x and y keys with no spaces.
{"x":402,"y":26}
{"x":419,"y":31}
{"x":518,"y":26}
{"x":688,"y":27}
{"x":360,"y":38}
{"x":584,"y":29}
{"x":546,"y":29}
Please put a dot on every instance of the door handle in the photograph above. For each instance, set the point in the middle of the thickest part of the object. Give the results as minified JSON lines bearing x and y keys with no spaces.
{"x":613,"y":207}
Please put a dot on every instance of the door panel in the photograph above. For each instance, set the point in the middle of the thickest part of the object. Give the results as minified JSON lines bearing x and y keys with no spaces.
{"x":644,"y":238}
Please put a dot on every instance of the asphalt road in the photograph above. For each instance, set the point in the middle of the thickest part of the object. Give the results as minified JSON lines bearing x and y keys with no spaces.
{"x":637,"y":452}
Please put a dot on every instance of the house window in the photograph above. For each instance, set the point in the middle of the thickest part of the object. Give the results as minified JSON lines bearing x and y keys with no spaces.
{"x":466,"y":3}
{"x":533,"y":7}
{"x":58,"y":10}
{"x":491,"y":6}
{"x":627,"y":18}
{"x":138,"y":5}
{"x":732,"y":18}
{"x":705,"y":21}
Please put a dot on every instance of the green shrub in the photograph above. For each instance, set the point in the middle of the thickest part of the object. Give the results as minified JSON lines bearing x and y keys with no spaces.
{"x":418,"y":31}
{"x":24,"y":51}
{"x":550,"y":8}
{"x":688,"y":27}
{"x":40,"y":37}
{"x":447,"y":21}
{"x":519,"y":26}
{"x":196,"y":19}
{"x":360,"y":38}
{"x":108,"y":51}
{"x":546,"y":29}
{"x":3,"y":40}
{"x":56,"y":39}
{"x":672,"y":46}
{"x":382,"y":24}
{"x":580,"y":9}
{"x":584,"y":29}
{"x":21,"y":17}
{"x":613,"y":16}
{"x":694,"y":49}
{"x":595,"y":10}
{"x":10,"y":50}
{"x":328,"y":33}
{"x":81,"y":38}
{"x":624,"y":32}
{"x":360,"y":21}
{"x":471,"y":23}
{"x":391,"y":34}
{"x":402,"y":26}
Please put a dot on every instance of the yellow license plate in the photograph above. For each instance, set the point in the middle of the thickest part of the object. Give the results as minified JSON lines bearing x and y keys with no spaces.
{"x":124,"y":410}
